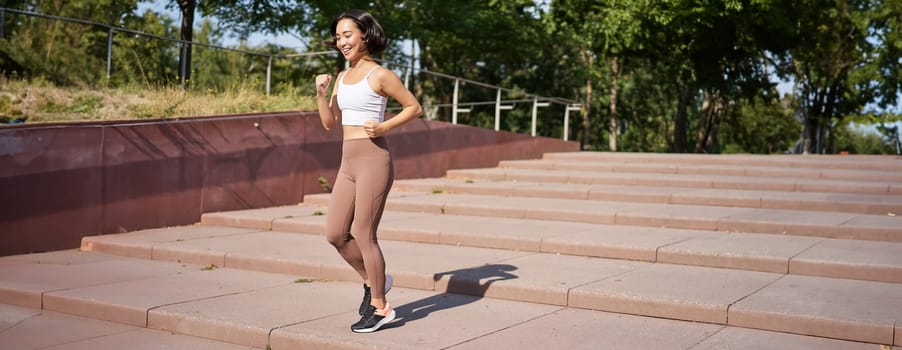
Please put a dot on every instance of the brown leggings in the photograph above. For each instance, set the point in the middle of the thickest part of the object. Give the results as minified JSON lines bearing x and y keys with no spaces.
{"x":355,"y":208}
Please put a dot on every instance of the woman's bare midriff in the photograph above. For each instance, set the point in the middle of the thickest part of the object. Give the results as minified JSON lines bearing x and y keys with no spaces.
{"x":353,"y":132}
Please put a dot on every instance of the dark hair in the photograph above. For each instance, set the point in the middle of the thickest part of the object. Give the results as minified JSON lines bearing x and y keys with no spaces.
{"x":373,"y":35}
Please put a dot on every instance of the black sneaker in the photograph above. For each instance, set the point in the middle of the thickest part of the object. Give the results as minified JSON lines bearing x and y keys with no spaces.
{"x":367,"y":297}
{"x":373,"y":319}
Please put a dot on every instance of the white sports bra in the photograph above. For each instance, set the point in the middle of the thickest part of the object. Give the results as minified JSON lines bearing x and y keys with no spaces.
{"x":359,"y":103}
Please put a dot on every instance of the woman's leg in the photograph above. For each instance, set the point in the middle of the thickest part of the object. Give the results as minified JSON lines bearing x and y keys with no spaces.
{"x":339,"y":216}
{"x":373,"y":184}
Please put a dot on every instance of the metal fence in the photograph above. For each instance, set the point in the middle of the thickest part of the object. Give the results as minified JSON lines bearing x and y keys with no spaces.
{"x":533,"y":101}
{"x":457,"y":107}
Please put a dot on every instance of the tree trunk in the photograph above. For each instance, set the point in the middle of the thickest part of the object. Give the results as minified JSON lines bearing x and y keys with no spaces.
{"x":829,"y":114}
{"x":814,"y":107}
{"x":703,"y":125}
{"x":612,"y":124}
{"x":430,"y":112}
{"x":811,"y":128}
{"x":712,"y":110}
{"x":589,"y":58}
{"x":681,"y":120}
{"x":187,"y":8}
{"x":711,"y":145}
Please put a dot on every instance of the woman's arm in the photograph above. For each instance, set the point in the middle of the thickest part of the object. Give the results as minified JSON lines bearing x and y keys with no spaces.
{"x":329,"y":113}
{"x":390,"y":85}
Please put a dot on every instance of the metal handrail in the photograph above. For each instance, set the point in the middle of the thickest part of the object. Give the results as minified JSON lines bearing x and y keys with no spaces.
{"x":558,"y":100}
{"x":536,"y":100}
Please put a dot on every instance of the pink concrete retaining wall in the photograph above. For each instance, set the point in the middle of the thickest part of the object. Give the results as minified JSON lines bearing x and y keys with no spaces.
{"x":61,"y":182}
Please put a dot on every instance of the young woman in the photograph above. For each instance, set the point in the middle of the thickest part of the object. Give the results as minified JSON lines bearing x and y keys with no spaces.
{"x":365,"y":176}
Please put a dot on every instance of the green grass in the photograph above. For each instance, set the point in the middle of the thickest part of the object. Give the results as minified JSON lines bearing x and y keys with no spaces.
{"x":38,"y":101}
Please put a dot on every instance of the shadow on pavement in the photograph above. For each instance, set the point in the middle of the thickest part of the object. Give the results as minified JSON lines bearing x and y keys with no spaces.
{"x":464,"y":286}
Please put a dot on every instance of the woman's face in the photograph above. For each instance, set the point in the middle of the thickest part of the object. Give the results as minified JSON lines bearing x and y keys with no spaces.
{"x":349,"y":39}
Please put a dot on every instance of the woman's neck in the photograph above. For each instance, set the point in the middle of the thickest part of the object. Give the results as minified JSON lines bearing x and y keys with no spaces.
{"x":360,"y":60}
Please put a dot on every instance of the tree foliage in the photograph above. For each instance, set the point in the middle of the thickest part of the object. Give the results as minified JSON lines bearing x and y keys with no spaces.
{"x":843,"y":57}
{"x":669,"y":75}
{"x":67,"y":52}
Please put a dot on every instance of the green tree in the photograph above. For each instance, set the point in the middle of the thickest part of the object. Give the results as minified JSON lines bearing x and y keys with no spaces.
{"x":63,"y":52}
{"x":845,"y":55}
{"x":488,"y":41}
{"x":674,"y":75}
{"x":578,"y":21}
{"x":646,"y":109}
{"x":855,"y":141}
{"x":729,"y":59}
{"x":611,"y":30}
{"x":246,"y":16}
{"x":761,"y":127}
{"x":139,"y":60}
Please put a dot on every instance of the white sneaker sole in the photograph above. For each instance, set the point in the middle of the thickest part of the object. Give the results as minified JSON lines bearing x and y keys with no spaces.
{"x":388,"y":318}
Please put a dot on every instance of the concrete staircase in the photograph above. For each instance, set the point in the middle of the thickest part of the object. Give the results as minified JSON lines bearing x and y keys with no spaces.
{"x":576,"y":250}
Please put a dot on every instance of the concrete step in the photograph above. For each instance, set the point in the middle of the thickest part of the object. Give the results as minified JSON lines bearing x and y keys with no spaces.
{"x":876,"y":204}
{"x":697,"y":217}
{"x":863,"y":311}
{"x":276,"y":311}
{"x":721,"y":182}
{"x":666,"y":165}
{"x":24,"y":328}
{"x":855,"y":162}
{"x":681,"y":252}
{"x":815,"y":256}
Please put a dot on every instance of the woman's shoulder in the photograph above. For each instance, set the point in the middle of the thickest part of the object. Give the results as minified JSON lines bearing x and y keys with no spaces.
{"x":382,"y":72}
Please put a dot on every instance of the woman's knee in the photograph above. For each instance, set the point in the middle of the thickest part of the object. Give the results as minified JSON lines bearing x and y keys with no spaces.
{"x":338,"y":240}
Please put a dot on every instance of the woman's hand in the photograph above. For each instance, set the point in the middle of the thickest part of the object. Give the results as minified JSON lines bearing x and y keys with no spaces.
{"x":322,"y":84}
{"x":374,"y":129}
{"x":329,"y":113}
